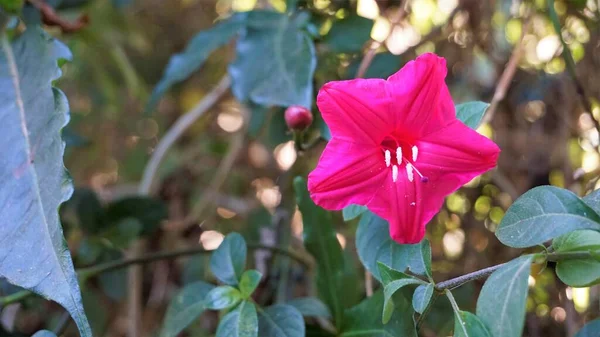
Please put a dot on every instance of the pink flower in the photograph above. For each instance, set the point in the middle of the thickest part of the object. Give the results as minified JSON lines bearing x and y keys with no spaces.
{"x":397,"y":147}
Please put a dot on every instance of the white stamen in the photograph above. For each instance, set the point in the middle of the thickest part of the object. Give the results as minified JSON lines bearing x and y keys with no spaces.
{"x":388,"y":158}
{"x":415,"y":152}
{"x":409,"y":172}
{"x":399,"y":155}
{"x":394,"y":173}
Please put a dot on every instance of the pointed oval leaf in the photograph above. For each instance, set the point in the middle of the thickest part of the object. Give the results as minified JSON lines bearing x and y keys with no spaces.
{"x":286,"y":79}
{"x":241,"y":322}
{"x":544,"y":213}
{"x":185,"y":307}
{"x":310,"y":307}
{"x":501,"y":303}
{"x":249,"y":282}
{"x":426,"y":258}
{"x":578,"y":240}
{"x":374,"y":244}
{"x":280,"y":320}
{"x":389,"y":291}
{"x":223,"y":297}
{"x":591,"y":329}
{"x":468,"y":325}
{"x":471,"y":113}
{"x":183,"y":65}
{"x":321,"y":242}
{"x":349,"y":34}
{"x":33,"y":178}
{"x":422,"y":297}
{"x":229,"y":260}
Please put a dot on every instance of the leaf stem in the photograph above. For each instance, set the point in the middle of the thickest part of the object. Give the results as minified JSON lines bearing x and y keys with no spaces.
{"x":85,"y":273}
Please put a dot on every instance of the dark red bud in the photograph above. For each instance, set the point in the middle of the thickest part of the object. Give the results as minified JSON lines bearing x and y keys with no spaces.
{"x":298,"y":117}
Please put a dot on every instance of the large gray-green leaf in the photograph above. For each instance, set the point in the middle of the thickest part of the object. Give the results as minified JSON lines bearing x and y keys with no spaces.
{"x":364,"y":320}
{"x":229,"y":260}
{"x":185,"y":307}
{"x":544,"y":213}
{"x":579,"y":273}
{"x":280,"y":320}
{"x":183,"y":65}
{"x":591,"y":329}
{"x":241,"y":322}
{"x":320,"y":240}
{"x":34,"y":182}
{"x":351,"y":212}
{"x":501,"y":303}
{"x":275,"y":61}
{"x":374,"y":244}
{"x":390,"y":290}
{"x":471,"y":113}
{"x":593,"y":200}
{"x":578,"y":240}
{"x":310,"y":307}
{"x":468,"y":325}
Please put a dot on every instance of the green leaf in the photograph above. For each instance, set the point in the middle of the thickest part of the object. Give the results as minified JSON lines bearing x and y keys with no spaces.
{"x":501,"y":303}
{"x":229,"y":260}
{"x":185,"y":308}
{"x":87,"y":210}
{"x":44,"y":333}
{"x":426,"y":258}
{"x":579,"y":273}
{"x":249,"y":282}
{"x":195,"y":269}
{"x":544,"y":213}
{"x":422,"y":297}
{"x":149,"y":212}
{"x":286,"y":79}
{"x":383,"y":66}
{"x":223,"y":297}
{"x":593,"y":200}
{"x":353,"y":211}
{"x":32,"y":175}
{"x":321,"y":242}
{"x":471,"y":113}
{"x":114,"y":282}
{"x":11,"y":6}
{"x":388,"y":274}
{"x":468,"y":325}
{"x":183,"y":65}
{"x":242,"y":322}
{"x":96,"y":312}
{"x":578,"y":240}
{"x":310,"y":307}
{"x":374,"y":244}
{"x":364,"y":320}
{"x":349,"y":35}
{"x":280,"y":320}
{"x":389,"y":291}
{"x":591,"y":329}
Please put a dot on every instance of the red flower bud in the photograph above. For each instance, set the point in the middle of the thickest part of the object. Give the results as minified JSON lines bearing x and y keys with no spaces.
{"x":298,"y":117}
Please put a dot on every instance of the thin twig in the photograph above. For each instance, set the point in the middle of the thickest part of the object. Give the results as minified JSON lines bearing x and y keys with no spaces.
{"x":177,"y":130}
{"x":570,"y":63}
{"x":86,"y":273}
{"x":458,"y":281}
{"x":235,"y":147}
{"x":374,"y":45}
{"x":51,"y":18}
{"x":507,"y":74}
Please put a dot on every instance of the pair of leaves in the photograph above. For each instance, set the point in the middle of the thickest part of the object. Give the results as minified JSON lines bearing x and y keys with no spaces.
{"x":286,"y":79}
{"x":544,"y":213}
{"x":579,"y":272}
{"x":247,"y":320}
{"x":33,"y":178}
{"x":374,"y":244}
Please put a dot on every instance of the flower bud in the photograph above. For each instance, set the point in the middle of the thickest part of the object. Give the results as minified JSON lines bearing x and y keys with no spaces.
{"x":298,"y":117}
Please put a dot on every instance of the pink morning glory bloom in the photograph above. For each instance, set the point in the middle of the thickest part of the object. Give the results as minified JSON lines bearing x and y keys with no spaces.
{"x":397,"y":147}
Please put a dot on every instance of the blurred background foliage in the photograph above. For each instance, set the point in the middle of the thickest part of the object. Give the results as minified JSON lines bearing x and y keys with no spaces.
{"x":544,"y":132}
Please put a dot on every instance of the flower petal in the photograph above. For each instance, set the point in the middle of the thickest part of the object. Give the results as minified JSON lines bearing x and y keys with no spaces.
{"x":421,"y":101}
{"x":347,"y":173}
{"x":407,"y":207}
{"x":356,"y":110}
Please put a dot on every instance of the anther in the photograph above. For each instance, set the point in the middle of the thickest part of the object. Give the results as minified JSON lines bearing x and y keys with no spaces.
{"x":399,"y":155}
{"x":415,"y":152}
{"x":388,"y":158}
{"x":409,"y":172}
{"x":394,"y":173}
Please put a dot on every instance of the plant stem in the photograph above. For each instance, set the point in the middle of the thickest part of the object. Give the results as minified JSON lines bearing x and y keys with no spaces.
{"x":88,"y":272}
{"x":570,"y":63}
{"x":458,"y":281}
